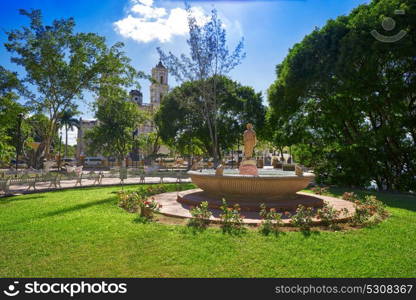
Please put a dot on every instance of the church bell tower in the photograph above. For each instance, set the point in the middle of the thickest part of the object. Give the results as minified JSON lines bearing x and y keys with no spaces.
{"x":159,"y":87}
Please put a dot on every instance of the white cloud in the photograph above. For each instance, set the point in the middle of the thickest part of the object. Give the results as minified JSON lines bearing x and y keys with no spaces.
{"x":146,"y":2}
{"x":148,"y":12}
{"x":146,"y":23}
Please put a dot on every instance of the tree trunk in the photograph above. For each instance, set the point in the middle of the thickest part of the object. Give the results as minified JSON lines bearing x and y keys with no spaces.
{"x":156,"y":145}
{"x":213,"y":142}
{"x":48,"y":138}
{"x":66,"y":140}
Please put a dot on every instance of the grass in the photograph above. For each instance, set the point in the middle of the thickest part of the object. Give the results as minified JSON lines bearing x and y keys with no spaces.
{"x":83,"y":233}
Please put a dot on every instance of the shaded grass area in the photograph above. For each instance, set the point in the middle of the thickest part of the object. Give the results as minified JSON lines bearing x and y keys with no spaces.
{"x":83,"y":233}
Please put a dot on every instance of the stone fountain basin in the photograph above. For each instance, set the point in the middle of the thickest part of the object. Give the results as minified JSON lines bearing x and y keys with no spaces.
{"x":262,"y":188}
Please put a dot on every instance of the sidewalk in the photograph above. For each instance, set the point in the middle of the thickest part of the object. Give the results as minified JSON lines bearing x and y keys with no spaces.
{"x":68,"y":184}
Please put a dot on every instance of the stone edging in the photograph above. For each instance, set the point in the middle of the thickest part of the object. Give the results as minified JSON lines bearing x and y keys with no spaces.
{"x":172,"y":208}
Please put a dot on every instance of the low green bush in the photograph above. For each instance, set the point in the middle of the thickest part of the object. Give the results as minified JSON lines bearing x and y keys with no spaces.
{"x":369,"y":211}
{"x":136,"y":202}
{"x":139,"y":201}
{"x":127,"y":201}
{"x":200,"y":216}
{"x":329,"y":215}
{"x":231,"y":219}
{"x":303,"y":217}
{"x":271,"y":220}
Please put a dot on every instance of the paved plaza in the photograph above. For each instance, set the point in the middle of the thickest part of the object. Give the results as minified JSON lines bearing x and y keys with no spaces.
{"x":68,"y":184}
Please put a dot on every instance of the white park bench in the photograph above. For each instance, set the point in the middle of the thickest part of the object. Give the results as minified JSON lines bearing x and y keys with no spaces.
{"x":31,"y":181}
{"x":5,"y":186}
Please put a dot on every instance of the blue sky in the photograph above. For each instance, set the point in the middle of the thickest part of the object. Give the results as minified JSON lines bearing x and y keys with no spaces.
{"x":269,"y":29}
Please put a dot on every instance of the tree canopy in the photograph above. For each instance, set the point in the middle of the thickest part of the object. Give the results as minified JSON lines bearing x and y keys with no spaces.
{"x":347,"y":100}
{"x":9,"y":110}
{"x":118,"y":118}
{"x":60,"y":64}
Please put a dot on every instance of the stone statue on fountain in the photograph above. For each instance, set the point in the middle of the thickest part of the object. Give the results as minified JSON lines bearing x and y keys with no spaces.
{"x":250,"y":141}
{"x":248,"y":165}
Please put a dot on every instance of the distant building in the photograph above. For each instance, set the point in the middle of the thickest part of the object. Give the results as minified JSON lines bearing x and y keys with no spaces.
{"x":158,"y":89}
{"x":160,"y":86}
{"x":82,"y":142}
{"x":137,"y":97}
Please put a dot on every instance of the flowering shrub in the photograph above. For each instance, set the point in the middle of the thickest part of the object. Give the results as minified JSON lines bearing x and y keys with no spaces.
{"x":232,"y":221}
{"x":319,"y":190}
{"x":148,"y":207}
{"x":200,"y":215}
{"x":369,"y":211}
{"x":127,"y":201}
{"x":154,"y":189}
{"x":303,"y":217}
{"x":271,"y":220}
{"x":329,"y":215}
{"x":350,"y":196}
{"x":287,"y":214}
{"x":138,"y":202}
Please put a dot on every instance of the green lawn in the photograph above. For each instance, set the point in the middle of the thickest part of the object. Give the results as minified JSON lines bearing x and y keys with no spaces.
{"x":82,"y":233}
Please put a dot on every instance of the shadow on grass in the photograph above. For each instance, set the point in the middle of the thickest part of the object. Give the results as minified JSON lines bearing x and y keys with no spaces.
{"x":142,"y":220}
{"x":76,"y":207}
{"x":64,"y":210}
{"x":234,"y":231}
{"x":309,"y":233}
{"x":195,"y":228}
{"x":41,"y":194}
{"x":275,"y":233}
{"x":10,"y":199}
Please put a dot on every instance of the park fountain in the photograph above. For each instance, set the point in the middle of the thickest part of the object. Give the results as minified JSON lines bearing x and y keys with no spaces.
{"x":250,"y":186}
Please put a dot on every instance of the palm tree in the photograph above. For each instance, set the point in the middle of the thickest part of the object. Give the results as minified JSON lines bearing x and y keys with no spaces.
{"x":68,"y":121}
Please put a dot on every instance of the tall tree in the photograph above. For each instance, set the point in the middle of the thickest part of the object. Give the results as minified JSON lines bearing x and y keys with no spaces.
{"x":68,"y":122}
{"x":36,"y":128}
{"x":118,"y":119}
{"x":209,"y":58}
{"x":149,"y":142}
{"x":347,"y":100}
{"x":180,"y":127}
{"x":59,"y":63}
{"x":9,"y":110}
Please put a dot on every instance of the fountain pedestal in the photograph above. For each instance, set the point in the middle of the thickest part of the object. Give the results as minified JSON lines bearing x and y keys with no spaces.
{"x":248,"y":167}
{"x":196,"y":197}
